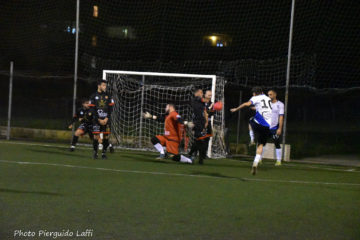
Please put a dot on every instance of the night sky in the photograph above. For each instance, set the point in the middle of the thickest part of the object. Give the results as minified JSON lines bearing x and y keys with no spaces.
{"x":169,"y":37}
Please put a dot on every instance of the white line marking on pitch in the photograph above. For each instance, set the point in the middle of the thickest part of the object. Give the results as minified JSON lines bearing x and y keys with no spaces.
{"x":178,"y":174}
{"x":232,"y":160}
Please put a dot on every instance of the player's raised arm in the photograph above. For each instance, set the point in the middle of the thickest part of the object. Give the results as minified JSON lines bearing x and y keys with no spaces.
{"x":148,"y":115}
{"x":246,"y":104}
{"x":180,"y":120}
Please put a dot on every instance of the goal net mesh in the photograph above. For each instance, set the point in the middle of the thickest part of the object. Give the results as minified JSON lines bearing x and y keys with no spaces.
{"x":137,"y":94}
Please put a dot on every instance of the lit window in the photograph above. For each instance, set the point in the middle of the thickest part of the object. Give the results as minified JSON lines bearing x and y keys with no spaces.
{"x":95,"y":11}
{"x":94,"y":41}
{"x":217,"y":40}
{"x":121,"y":32}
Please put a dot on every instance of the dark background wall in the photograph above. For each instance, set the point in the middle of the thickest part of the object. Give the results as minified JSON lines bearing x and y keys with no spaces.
{"x":168,"y":36}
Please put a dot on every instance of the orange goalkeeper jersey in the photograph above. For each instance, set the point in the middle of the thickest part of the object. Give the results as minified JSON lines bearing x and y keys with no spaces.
{"x":173,"y":128}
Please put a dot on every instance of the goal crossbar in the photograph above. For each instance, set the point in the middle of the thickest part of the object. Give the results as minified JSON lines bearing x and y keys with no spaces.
{"x":158,"y":74}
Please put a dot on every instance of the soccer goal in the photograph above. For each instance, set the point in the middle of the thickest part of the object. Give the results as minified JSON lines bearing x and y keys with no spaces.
{"x":135,"y":93}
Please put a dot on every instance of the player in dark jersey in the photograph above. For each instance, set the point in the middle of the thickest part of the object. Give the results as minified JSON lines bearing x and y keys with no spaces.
{"x":202,"y":112}
{"x":102,"y":103}
{"x":85,"y":117}
{"x":207,"y":132}
{"x":198,"y":118}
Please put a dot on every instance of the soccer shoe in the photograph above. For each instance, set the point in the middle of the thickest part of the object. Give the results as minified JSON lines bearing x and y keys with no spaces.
{"x":100,"y":146}
{"x":103,"y":156}
{"x":278,"y":163}
{"x":111,"y":149}
{"x":95,"y":155}
{"x":201,"y":161}
{"x":72,"y":148}
{"x":253,"y":170}
{"x":162,"y":156}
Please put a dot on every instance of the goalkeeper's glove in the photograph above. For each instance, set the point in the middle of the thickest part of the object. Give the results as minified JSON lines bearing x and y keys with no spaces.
{"x":148,"y":115}
{"x":189,"y":124}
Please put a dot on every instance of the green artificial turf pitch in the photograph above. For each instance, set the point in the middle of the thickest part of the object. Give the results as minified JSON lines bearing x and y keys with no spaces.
{"x":134,"y":196}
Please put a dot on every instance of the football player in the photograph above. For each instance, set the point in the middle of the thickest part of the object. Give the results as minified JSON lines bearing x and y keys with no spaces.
{"x":84,"y":116}
{"x":261,"y":121}
{"x":103,"y":104}
{"x":173,"y":133}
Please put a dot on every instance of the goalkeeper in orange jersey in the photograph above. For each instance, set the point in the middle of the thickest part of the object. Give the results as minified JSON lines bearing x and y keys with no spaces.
{"x":174,"y":126}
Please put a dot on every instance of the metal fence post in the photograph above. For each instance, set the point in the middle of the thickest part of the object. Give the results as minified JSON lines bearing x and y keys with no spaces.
{"x":10,"y":100}
{"x":76,"y":60}
{"x":288,"y":77}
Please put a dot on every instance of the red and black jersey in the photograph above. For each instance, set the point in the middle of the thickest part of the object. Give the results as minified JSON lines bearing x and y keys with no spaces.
{"x":198,"y":108}
{"x":84,"y":115}
{"x":102,"y":103}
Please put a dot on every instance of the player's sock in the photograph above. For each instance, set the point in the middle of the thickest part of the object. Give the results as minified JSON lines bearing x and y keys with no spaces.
{"x":278,"y":154}
{"x":95,"y":145}
{"x":257,"y":159}
{"x":111,"y":148}
{"x":184,"y":159}
{"x":262,"y":153}
{"x":159,"y":148}
{"x":252,"y":136}
{"x":105,"y":145}
{"x":74,"y":140}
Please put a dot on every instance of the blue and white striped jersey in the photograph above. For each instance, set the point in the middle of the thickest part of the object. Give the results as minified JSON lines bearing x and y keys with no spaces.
{"x":262,"y":104}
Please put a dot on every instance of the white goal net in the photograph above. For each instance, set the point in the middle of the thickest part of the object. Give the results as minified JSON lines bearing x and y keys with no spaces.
{"x":137,"y":92}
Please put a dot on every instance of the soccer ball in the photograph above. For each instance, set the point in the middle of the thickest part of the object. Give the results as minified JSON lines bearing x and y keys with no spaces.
{"x":218,"y":106}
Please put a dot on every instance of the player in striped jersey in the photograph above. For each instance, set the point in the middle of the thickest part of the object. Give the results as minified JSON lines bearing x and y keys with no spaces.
{"x":261,"y":121}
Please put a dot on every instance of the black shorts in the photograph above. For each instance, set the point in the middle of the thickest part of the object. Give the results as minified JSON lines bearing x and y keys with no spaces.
{"x":262,"y":133}
{"x":86,"y":127}
{"x":104,"y":129}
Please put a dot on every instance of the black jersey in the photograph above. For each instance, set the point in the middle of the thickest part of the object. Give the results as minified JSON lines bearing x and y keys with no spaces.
{"x":198,"y":108}
{"x":84,"y":115}
{"x":102,"y":103}
{"x":209,"y":110}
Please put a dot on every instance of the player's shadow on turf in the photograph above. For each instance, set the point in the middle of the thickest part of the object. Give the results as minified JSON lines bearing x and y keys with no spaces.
{"x":213,"y":174}
{"x":5,"y":190}
{"x":61,"y":152}
{"x":216,"y":165}
{"x":165,"y":161}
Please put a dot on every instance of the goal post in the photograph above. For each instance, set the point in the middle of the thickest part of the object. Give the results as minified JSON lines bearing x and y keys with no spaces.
{"x":137,"y":92}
